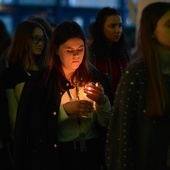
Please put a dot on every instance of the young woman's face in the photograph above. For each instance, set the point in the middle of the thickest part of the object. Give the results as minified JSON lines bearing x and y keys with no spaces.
{"x":112,"y":28}
{"x":38,"y":41}
{"x":71,"y":54}
{"x":162,"y":31}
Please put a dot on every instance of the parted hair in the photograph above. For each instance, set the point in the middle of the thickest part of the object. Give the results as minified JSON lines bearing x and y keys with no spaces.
{"x":19,"y":50}
{"x":157,"y":99}
{"x":65,"y":31}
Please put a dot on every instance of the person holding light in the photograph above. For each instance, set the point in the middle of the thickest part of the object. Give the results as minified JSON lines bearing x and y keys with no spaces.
{"x":53,"y":127}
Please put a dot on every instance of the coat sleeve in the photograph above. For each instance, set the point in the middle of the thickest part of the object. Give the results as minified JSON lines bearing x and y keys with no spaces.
{"x":119,"y":143}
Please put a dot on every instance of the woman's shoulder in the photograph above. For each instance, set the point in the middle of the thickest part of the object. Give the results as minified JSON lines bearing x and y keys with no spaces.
{"x":13,"y":76}
{"x":13,"y":70}
{"x":37,"y":76}
{"x":136,"y":72}
{"x":137,"y":66}
{"x":35,"y":82}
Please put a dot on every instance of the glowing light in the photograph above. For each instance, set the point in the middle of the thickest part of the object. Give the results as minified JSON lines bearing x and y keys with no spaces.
{"x":89,"y":88}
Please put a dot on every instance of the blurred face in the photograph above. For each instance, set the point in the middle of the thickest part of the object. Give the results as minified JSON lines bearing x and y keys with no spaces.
{"x":71,"y":54}
{"x":162,"y":31}
{"x":38,"y":41}
{"x":113,"y":28}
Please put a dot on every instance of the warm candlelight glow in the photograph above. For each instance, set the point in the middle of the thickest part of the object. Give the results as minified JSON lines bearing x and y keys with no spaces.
{"x":89,"y":88}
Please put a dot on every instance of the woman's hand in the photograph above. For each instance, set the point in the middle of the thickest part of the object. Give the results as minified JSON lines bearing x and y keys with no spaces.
{"x":95,"y":92}
{"x":78,"y":107}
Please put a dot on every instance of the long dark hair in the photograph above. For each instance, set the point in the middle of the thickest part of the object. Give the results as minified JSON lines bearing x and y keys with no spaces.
{"x":43,"y":22}
{"x":101,"y":17}
{"x":98,"y":33}
{"x":157,"y":99}
{"x":19,"y":50}
{"x":64,"y":32}
{"x":100,"y":46}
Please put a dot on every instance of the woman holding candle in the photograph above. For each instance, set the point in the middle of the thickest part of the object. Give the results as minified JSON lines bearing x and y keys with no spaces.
{"x":53,"y":126}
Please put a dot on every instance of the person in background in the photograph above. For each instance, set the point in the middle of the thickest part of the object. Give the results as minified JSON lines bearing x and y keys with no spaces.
{"x":89,"y":38}
{"x":25,"y":57}
{"x":5,"y":42}
{"x":5,"y":155}
{"x":44,"y":22}
{"x":5,"y":39}
{"x":62,"y":108}
{"x":138,"y":136}
{"x":53,"y":24}
{"x":108,"y":50}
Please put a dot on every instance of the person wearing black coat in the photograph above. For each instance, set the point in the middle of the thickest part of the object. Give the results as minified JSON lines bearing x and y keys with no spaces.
{"x":64,"y":110}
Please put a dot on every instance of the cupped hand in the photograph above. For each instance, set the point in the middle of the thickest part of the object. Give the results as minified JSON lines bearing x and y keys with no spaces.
{"x":95,"y":92}
{"x":78,"y":107}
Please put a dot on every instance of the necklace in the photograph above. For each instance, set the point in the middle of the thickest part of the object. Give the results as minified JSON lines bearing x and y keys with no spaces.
{"x":76,"y":97}
{"x":82,"y":138}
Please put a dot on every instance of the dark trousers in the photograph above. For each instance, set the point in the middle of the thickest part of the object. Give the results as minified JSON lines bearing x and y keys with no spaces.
{"x":71,"y":156}
{"x":5,"y":158}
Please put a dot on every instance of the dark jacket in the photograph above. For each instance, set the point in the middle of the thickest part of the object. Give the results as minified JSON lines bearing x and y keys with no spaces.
{"x":135,"y":140}
{"x":110,"y":59}
{"x":5,"y":154}
{"x":35,"y":138}
{"x":4,"y":117}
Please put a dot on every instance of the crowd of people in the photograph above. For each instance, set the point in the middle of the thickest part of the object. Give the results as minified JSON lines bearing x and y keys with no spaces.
{"x":70,"y":103}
